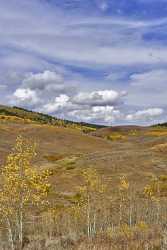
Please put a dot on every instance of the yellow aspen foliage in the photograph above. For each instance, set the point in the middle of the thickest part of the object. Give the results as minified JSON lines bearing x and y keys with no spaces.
{"x":124,"y":184}
{"x":20,"y":181}
{"x":22,"y":185}
{"x":92,"y":181}
{"x":89,"y":199}
{"x":142,"y":226}
{"x":92,"y":188}
{"x":152,"y":190}
{"x":127,"y":231}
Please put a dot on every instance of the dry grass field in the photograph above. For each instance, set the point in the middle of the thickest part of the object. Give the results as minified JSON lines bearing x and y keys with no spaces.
{"x":136,"y":153}
{"x":108,"y":187}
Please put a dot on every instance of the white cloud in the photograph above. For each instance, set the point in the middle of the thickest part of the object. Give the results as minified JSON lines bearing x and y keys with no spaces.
{"x":96,"y":106}
{"x":49,"y":83}
{"x":59,"y":103}
{"x":49,"y":92}
{"x":25,"y":96}
{"x":47,"y":80}
{"x":106,"y":114}
{"x":99,"y":98}
{"x":43,"y":88}
{"x":146,"y":115}
{"x":42,"y":78}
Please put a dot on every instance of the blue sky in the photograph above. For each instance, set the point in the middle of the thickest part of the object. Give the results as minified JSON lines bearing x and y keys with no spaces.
{"x":100,"y":61}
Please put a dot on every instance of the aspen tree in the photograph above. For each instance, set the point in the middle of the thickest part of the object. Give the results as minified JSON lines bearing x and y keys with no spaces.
{"x":90,"y":194}
{"x":123,"y":193}
{"x":23,"y":187}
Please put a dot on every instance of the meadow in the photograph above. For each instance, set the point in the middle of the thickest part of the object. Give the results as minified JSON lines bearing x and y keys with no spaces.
{"x":64,"y":188}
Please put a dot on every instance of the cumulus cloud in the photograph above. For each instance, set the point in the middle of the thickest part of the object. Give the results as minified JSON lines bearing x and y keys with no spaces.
{"x":49,"y":92}
{"x":106,"y":114}
{"x":99,"y":98}
{"x":96,"y":106}
{"x":43,"y":87}
{"x":48,"y":81}
{"x":25,"y":96}
{"x":60,"y":103}
{"x":147,"y":114}
{"x":41,"y":80}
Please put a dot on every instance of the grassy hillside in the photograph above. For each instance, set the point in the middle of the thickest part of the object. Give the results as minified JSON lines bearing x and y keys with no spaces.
{"x":111,"y":151}
{"x":161,"y":125}
{"x":40,"y":118}
{"x":119,"y":130}
{"x":123,"y":169}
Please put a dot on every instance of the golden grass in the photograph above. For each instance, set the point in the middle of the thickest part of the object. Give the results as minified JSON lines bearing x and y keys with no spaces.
{"x":54,"y":157}
{"x":162,"y":148}
{"x":156,"y":132}
{"x":69,"y":149}
{"x":115,"y":136}
{"x":9,"y":118}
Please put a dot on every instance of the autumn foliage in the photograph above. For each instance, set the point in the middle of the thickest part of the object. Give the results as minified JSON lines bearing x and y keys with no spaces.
{"x":23,"y":187}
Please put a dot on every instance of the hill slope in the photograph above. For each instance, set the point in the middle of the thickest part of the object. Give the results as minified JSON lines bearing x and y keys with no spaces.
{"x":124,"y":130}
{"x":44,"y":118}
{"x":135,"y":153}
{"x":112,"y":151}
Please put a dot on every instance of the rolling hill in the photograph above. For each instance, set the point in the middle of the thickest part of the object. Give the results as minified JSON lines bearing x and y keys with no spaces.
{"x":112,"y":150}
{"x":41,"y":118}
{"x":137,"y":154}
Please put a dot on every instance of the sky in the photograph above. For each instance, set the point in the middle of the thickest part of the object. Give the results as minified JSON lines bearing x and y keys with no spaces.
{"x":97,"y":61}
